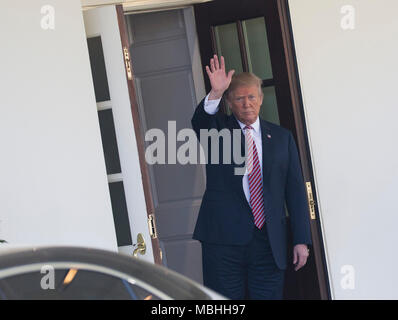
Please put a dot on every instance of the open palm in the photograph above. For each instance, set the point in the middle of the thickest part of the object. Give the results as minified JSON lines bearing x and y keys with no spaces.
{"x":219,"y":79}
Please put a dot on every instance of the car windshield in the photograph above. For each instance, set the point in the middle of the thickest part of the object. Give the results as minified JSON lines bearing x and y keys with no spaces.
{"x":87,"y":273}
{"x":48,"y":282}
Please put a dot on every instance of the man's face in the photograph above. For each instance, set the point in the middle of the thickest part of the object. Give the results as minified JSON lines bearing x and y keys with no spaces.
{"x":245,"y":103}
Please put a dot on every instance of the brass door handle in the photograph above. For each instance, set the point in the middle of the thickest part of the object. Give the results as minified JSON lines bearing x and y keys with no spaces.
{"x":141,"y":246}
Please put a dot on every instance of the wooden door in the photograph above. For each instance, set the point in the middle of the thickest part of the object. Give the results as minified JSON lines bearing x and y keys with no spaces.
{"x":162,"y":55}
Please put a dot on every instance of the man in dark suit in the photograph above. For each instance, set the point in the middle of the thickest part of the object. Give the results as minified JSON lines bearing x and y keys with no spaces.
{"x":242,"y":222}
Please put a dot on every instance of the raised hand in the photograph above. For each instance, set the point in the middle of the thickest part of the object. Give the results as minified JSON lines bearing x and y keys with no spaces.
{"x":219,"y":80}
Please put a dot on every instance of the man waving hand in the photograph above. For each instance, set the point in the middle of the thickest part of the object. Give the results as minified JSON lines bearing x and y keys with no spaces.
{"x":242,"y":222}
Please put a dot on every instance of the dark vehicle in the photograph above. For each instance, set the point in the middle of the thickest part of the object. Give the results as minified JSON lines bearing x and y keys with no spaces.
{"x":70,"y":273}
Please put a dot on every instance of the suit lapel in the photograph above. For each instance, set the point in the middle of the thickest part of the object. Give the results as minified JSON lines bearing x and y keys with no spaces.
{"x":236,"y":180}
{"x":232,"y":123}
{"x":268,"y":146}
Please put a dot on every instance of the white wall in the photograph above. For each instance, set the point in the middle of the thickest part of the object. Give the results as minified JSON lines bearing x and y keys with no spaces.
{"x":53,"y":186}
{"x":349,"y":87}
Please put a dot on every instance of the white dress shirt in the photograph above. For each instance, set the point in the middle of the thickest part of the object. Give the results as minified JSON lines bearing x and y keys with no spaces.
{"x":211,"y":107}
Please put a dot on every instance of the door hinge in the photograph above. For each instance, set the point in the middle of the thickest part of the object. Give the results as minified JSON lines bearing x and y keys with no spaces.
{"x":152,"y":226}
{"x":311,"y":202}
{"x":127,"y":63}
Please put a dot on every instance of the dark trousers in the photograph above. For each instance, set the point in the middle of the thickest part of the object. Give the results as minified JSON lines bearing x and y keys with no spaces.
{"x":243,"y":272}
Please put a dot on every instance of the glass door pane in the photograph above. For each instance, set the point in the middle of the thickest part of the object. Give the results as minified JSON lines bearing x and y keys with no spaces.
{"x":120,"y":214}
{"x":257,"y":49}
{"x":227,"y":45}
{"x":269,"y":108}
{"x":109,"y":142}
{"x":98,"y":69}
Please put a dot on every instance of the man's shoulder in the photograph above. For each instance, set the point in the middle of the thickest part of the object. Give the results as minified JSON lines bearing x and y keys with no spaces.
{"x":276,"y":129}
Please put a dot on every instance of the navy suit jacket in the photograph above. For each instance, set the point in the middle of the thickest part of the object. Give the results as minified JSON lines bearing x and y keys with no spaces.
{"x":225,"y":216}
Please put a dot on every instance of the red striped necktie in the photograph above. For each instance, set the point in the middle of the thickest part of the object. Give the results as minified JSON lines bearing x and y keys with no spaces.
{"x":255,"y":180}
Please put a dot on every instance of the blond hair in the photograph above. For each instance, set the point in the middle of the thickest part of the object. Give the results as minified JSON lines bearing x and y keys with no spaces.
{"x":244,"y":79}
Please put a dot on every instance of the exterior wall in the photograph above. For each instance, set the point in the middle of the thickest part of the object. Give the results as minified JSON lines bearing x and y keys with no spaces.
{"x":348,"y":79}
{"x":53,"y":186}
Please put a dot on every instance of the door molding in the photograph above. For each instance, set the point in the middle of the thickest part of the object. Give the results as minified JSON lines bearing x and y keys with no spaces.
{"x":302,"y":142}
{"x":139,"y":138}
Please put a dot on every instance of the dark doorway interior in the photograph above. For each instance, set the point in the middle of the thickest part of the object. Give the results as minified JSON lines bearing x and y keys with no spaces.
{"x":256,"y":36}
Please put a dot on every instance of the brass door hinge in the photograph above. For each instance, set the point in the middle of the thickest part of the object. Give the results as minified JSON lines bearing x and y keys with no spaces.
{"x":311,"y":202}
{"x":152,"y":226}
{"x":127,"y":62}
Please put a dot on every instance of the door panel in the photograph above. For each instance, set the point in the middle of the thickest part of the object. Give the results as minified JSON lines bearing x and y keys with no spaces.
{"x":130,"y":216}
{"x":166,"y":92}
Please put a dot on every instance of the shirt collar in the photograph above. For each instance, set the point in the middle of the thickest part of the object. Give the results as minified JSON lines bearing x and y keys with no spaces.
{"x":255,"y":125}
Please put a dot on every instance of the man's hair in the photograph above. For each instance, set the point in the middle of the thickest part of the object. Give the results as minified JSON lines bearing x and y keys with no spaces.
{"x":244,"y":79}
